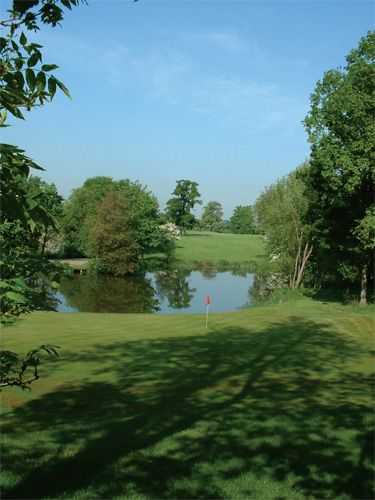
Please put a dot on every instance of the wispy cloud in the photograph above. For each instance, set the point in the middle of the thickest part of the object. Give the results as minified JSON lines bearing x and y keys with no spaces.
{"x":178,"y":77}
{"x":224,"y":40}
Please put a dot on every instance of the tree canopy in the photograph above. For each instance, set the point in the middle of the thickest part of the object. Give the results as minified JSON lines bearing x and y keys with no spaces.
{"x":25,"y":82}
{"x":212,"y":217}
{"x":242,"y":220}
{"x":281,"y":211}
{"x":81,"y":209}
{"x":341,"y":130}
{"x":184,"y":198}
{"x":112,"y":237}
{"x":26,"y":213}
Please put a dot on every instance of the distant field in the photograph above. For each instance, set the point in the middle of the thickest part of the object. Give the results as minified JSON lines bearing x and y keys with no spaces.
{"x":216,"y":247}
{"x":209,"y":247}
{"x":269,"y":403}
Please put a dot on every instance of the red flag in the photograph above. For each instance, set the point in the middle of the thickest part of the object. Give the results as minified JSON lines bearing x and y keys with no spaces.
{"x":207,"y":300}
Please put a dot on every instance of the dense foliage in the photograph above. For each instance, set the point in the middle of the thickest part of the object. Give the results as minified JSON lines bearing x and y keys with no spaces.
{"x":281,"y":211}
{"x":112,"y":236}
{"x":341,"y":130}
{"x":52,"y":202}
{"x":212,"y":217}
{"x":242,"y":220}
{"x":28,"y":206}
{"x":179,"y":207}
{"x":26,"y":217}
{"x":80,"y":212}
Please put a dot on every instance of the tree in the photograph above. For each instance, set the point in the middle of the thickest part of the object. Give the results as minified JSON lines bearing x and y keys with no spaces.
{"x":242,"y":220}
{"x":146,"y":214}
{"x":281,"y":211}
{"x":52,"y":203}
{"x":185,"y":197}
{"x":212,"y":217}
{"x":25,"y":82}
{"x":112,"y":238}
{"x":341,"y":130}
{"x":25,"y":273}
{"x":81,"y":208}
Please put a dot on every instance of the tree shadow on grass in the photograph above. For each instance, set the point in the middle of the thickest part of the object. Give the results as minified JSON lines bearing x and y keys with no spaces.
{"x":184,"y":417}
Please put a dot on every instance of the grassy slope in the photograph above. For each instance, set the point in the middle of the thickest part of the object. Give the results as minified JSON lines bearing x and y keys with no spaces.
{"x":269,"y":403}
{"x":216,"y":247}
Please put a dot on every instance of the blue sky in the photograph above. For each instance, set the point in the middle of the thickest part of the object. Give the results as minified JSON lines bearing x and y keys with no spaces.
{"x":209,"y":90}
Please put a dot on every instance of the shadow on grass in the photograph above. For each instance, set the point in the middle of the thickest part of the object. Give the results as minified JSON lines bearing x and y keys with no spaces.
{"x":183,"y":417}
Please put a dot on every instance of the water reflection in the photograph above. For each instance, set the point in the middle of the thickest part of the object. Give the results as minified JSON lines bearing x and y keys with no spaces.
{"x":163,"y":292}
{"x":174,"y":286}
{"x":91,"y":293}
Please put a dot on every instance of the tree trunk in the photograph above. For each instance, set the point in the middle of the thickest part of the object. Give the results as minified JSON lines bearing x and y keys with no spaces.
{"x":363,"y":297}
{"x":306,"y":255}
{"x":296,"y":263}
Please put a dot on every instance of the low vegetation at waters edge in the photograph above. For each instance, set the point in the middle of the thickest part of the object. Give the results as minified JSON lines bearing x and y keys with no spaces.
{"x":270,"y":402}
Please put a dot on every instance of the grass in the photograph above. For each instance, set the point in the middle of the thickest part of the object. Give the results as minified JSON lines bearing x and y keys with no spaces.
{"x":269,"y":403}
{"x":207,"y":247}
{"x":220,"y":247}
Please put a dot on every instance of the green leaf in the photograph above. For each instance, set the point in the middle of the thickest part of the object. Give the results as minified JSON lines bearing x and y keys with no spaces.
{"x":32,"y":225}
{"x":49,"y":67}
{"x":15,"y":111}
{"x":3,"y":117}
{"x":33,"y":59}
{"x":30,"y":78}
{"x":20,"y":79}
{"x":3,"y":43}
{"x":15,"y":297}
{"x":52,"y":86}
{"x":63,"y":88}
{"x":18,"y":63}
{"x":41,"y":81}
{"x":66,"y":4}
{"x":23,"y":39}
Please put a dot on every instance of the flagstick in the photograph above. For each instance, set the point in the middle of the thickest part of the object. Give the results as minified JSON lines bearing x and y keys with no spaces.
{"x":207,"y":306}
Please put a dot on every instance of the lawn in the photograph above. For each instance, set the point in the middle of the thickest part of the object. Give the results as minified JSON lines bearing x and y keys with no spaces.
{"x":215,"y":248}
{"x":269,"y":403}
{"x":220,"y":247}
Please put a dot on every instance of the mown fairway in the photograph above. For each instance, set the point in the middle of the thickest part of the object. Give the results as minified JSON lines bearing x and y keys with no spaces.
{"x":216,"y":247}
{"x":269,"y":403}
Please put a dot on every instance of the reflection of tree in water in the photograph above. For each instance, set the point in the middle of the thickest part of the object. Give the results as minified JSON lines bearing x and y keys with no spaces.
{"x":207,"y":271}
{"x":239,"y":272}
{"x":92,"y":293}
{"x":174,"y":286}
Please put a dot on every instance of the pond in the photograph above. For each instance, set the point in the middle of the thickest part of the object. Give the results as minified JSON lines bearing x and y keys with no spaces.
{"x":161,"y":292}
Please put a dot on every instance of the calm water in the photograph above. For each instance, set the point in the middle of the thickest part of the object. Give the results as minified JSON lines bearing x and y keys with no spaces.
{"x":162,"y":292}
